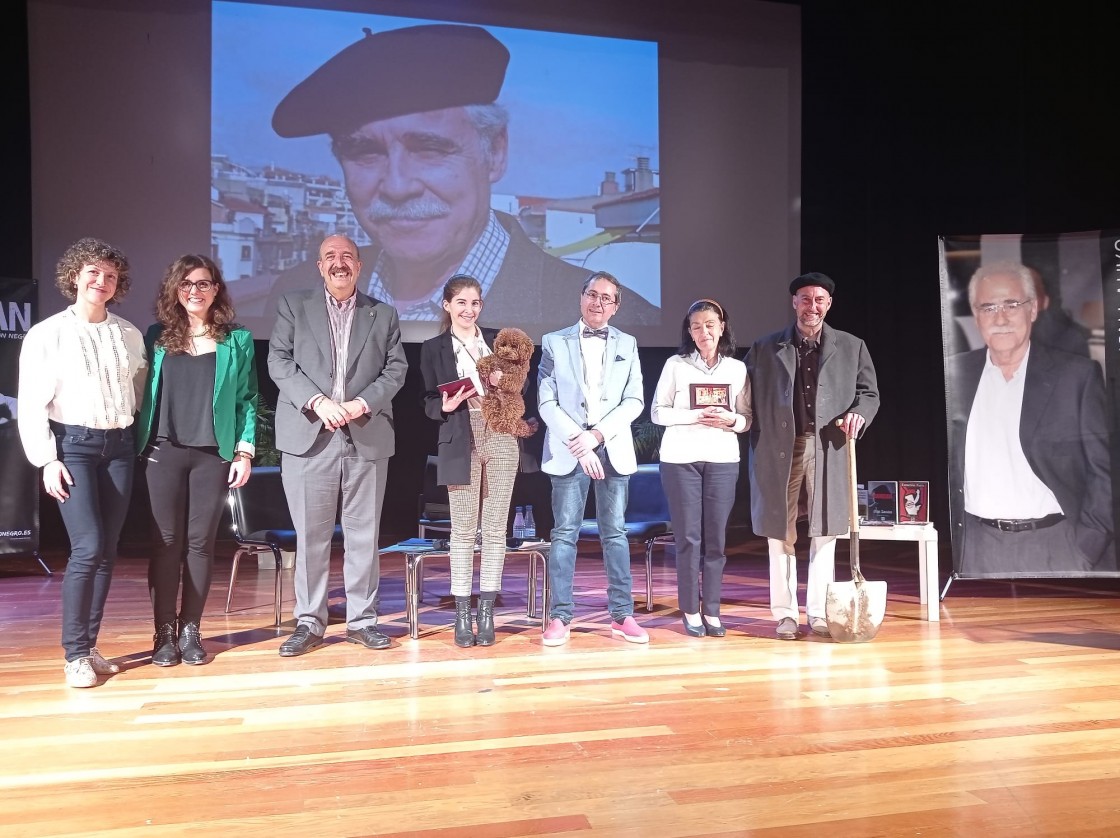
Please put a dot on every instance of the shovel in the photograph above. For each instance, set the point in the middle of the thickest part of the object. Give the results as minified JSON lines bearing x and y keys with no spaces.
{"x":854,"y":610}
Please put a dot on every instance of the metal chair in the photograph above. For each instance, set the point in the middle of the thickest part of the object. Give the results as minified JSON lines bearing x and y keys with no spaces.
{"x":433,"y":508}
{"x":646,"y":519}
{"x":262,"y":524}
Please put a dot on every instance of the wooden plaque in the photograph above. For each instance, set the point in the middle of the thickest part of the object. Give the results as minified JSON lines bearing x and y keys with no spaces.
{"x":709,"y":395}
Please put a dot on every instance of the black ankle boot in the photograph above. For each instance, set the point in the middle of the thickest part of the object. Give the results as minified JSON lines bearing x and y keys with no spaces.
{"x":464,"y":636}
{"x":190,"y":644}
{"x":485,"y":622}
{"x":165,"y":649}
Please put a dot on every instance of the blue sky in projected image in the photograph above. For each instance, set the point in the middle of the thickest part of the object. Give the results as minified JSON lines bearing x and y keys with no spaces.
{"x":582,"y":105}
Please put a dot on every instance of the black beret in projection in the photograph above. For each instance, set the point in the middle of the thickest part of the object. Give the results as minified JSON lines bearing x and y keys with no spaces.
{"x":812,"y":279}
{"x":392,"y":73}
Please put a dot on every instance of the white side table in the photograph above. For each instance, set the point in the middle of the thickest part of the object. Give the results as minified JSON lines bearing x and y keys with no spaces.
{"x":926,"y":536}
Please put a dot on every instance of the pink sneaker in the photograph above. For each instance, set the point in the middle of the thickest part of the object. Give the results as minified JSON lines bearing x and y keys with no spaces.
{"x":556,"y":634}
{"x":630,"y":631}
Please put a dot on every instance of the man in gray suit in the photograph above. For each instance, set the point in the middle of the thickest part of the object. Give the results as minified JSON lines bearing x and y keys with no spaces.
{"x":812,"y":387}
{"x":590,"y":391}
{"x":337,"y":358}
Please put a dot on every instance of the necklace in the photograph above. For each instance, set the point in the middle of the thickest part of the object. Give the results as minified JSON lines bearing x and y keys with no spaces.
{"x":474,"y":339}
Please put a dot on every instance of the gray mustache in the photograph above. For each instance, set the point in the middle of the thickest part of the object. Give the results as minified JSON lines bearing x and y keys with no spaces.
{"x":420,"y":209}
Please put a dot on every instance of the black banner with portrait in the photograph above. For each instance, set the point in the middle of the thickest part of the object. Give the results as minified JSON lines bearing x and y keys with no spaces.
{"x":1031,"y":358}
{"x":19,"y":495}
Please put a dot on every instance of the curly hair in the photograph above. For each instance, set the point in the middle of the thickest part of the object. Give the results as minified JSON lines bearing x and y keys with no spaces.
{"x":176,"y":337}
{"x":85,"y":252}
{"x":726,"y":345}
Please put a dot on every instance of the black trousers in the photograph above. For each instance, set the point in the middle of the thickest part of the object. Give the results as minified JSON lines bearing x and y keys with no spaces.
{"x":186,"y":487}
{"x":700,"y":498}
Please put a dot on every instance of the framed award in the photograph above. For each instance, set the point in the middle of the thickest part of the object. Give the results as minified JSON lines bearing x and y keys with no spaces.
{"x":709,"y":395}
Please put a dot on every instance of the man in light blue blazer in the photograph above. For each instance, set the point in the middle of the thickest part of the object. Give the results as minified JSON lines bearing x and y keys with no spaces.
{"x":337,"y":358}
{"x":590,"y":391}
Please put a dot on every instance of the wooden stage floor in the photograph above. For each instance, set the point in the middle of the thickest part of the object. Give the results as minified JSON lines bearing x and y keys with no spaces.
{"x":1004,"y":718}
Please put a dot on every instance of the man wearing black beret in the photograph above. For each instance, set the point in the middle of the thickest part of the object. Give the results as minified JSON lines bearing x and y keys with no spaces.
{"x":414,"y":123}
{"x":812,"y":387}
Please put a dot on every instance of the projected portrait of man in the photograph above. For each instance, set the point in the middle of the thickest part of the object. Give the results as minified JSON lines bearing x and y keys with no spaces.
{"x":1030,"y":480}
{"x":415,"y":125}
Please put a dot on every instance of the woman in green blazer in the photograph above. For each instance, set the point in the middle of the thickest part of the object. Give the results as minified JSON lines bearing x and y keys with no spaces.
{"x":192,"y":446}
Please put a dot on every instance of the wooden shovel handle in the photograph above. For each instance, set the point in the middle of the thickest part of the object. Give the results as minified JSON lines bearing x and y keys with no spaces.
{"x":853,"y":492}
{"x":853,"y":514}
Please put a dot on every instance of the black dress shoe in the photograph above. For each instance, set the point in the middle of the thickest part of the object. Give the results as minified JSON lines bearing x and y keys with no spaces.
{"x":302,"y":641}
{"x":691,"y":630}
{"x":714,"y":631}
{"x":369,"y":636}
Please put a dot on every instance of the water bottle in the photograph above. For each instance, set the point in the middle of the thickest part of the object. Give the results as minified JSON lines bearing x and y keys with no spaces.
{"x":519,"y":523}
{"x":530,"y":523}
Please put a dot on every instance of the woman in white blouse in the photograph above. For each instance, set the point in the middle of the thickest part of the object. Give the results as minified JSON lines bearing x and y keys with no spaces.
{"x":81,"y":374}
{"x":704,"y":399}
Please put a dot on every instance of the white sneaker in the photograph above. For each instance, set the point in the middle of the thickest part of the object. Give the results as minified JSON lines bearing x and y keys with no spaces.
{"x":79,"y":673}
{"x":100,"y":665}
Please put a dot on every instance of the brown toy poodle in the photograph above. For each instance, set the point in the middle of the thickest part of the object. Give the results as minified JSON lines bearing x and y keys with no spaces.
{"x":503,"y":405}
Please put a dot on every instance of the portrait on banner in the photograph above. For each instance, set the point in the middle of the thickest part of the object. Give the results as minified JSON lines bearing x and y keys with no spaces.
{"x":1032,"y":439}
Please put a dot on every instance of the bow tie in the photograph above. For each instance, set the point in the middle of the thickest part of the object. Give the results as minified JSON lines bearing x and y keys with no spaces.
{"x":595,"y":333}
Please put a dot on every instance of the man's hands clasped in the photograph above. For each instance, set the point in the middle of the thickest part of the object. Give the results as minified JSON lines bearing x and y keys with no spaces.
{"x":335,"y":415}
{"x":582,"y":446}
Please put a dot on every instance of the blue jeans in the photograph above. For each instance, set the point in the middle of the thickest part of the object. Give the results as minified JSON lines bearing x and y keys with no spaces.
{"x":100,"y":463}
{"x":569,"y":499}
{"x":700,"y":498}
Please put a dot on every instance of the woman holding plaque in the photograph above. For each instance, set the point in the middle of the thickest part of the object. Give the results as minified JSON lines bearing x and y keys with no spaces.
{"x":477,"y":465}
{"x":704,"y":399}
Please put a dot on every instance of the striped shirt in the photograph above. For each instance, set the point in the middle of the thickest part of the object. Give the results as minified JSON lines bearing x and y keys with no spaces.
{"x":341,"y":317}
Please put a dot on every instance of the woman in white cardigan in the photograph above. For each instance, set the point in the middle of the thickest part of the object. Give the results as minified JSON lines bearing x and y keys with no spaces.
{"x":704,"y":399}
{"x":81,"y":374}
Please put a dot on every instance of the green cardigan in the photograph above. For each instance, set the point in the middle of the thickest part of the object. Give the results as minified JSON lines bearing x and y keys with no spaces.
{"x":235,"y":392}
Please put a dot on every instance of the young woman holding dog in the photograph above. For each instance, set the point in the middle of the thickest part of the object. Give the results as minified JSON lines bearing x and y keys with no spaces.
{"x":477,"y":465}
